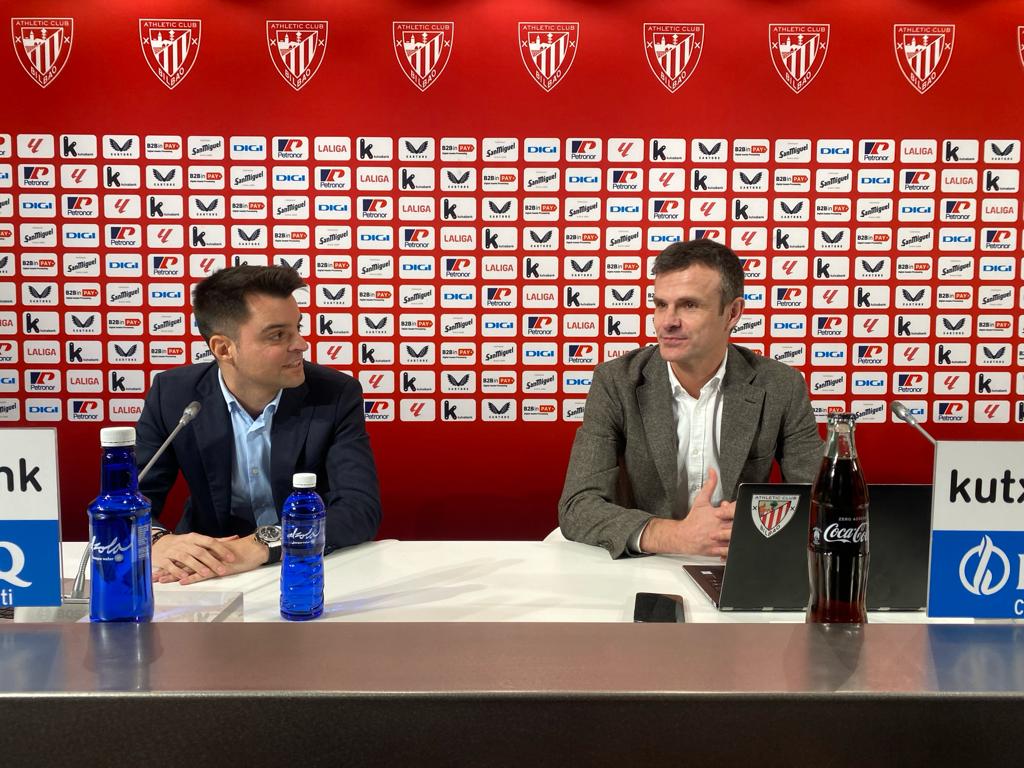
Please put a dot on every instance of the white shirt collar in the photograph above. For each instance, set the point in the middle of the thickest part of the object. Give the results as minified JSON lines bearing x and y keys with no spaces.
{"x":715,"y":382}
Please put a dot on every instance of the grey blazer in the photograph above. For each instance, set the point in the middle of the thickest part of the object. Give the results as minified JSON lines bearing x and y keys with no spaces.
{"x":622,"y":470}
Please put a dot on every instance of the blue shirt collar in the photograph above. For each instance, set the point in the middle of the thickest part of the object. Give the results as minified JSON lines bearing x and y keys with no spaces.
{"x":234,"y":405}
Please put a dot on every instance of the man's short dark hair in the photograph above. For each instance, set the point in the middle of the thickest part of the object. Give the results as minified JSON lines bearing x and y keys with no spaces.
{"x":707,"y":253}
{"x":219,"y":301}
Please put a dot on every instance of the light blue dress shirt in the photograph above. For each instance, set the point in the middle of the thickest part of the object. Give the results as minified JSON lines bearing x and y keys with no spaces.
{"x":250,"y":469}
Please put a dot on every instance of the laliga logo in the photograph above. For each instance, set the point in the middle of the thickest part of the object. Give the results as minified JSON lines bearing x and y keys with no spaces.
{"x":12,"y":574}
{"x":981,"y":582}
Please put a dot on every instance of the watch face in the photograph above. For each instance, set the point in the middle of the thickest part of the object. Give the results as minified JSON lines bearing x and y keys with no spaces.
{"x":269,"y":534}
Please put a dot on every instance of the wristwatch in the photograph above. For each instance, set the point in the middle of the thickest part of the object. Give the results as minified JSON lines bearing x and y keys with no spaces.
{"x":271,"y":536}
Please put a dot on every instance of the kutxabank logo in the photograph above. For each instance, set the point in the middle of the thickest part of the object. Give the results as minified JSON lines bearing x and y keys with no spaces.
{"x":798,"y":52}
{"x":423,"y":49}
{"x":297,"y":49}
{"x":43,"y":46}
{"x":170,"y":47}
{"x":548,"y":50}
{"x":989,"y":563}
{"x":673,"y":52}
{"x":923,"y":52}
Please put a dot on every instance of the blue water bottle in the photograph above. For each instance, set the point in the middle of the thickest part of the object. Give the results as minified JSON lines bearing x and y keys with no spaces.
{"x":119,"y":535}
{"x":303,"y":520}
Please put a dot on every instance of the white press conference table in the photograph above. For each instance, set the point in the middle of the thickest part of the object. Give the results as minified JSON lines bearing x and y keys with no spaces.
{"x":478,"y":581}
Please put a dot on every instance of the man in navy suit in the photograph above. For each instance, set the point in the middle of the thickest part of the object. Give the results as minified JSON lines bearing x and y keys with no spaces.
{"x":266,"y":414}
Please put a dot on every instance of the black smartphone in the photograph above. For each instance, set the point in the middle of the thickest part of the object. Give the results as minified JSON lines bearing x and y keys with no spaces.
{"x":657,"y":607}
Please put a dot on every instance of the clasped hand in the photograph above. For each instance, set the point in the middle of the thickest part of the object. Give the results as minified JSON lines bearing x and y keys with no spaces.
{"x":191,"y":557}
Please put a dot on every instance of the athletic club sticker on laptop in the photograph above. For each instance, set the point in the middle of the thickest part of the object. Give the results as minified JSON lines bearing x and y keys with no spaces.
{"x":771,"y":512}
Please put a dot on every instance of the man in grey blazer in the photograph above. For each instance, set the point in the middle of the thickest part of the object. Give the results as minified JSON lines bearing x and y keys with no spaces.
{"x":671,"y":431}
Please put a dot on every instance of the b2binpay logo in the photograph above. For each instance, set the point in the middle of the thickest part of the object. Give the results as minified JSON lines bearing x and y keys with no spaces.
{"x":980,"y":581}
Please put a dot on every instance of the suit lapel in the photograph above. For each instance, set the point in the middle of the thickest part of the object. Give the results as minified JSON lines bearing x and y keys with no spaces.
{"x":216,"y":444}
{"x":654,"y":396}
{"x":741,"y":415}
{"x":287,"y":437}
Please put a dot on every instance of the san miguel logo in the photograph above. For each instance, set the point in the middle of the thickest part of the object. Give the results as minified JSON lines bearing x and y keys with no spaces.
{"x":771,"y":512}
{"x":297,"y":49}
{"x":170,"y":47}
{"x":548,"y":50}
{"x":423,"y":49}
{"x":42,"y":46}
{"x":673,"y":52}
{"x":923,"y":52}
{"x":798,"y":52}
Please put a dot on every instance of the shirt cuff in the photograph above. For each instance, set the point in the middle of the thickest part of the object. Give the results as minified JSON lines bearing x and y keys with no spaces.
{"x":633,"y":544}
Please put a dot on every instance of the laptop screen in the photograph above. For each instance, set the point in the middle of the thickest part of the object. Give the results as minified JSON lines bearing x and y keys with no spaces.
{"x":767,"y":565}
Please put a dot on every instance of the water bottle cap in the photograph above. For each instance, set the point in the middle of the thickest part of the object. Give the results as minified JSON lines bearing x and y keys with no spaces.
{"x":112,"y":437}
{"x":304,"y":480}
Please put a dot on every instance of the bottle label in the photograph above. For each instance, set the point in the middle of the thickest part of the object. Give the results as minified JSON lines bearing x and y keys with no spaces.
{"x":112,"y":551}
{"x":836,"y":533}
{"x":303,"y":534}
{"x":143,"y":535}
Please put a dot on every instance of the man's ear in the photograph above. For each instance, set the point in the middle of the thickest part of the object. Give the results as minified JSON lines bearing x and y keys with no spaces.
{"x":222,"y":347}
{"x":735,"y":312}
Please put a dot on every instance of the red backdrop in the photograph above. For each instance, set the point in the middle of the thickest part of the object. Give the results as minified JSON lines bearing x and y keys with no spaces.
{"x":481,"y":479}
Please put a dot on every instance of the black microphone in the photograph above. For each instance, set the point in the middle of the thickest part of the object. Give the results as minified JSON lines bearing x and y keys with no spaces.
{"x":900,"y":411}
{"x":190,"y":412}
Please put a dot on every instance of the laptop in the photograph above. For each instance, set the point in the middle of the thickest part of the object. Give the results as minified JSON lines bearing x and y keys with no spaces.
{"x":767,"y":565}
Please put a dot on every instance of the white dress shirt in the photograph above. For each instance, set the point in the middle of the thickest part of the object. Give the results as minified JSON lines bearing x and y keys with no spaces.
{"x":699,"y":431}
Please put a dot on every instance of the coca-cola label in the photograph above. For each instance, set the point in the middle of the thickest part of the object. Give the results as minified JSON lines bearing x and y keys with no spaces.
{"x":771,"y":511}
{"x":843,"y":533}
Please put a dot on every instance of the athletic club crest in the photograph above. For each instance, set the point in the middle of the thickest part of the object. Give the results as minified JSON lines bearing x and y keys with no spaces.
{"x":673,"y":51}
{"x":923,"y":52}
{"x":297,"y":49}
{"x":548,"y":50}
{"x":798,"y":52}
{"x":42,"y":46}
{"x":771,"y":512}
{"x":170,"y":47}
{"x":423,"y":49}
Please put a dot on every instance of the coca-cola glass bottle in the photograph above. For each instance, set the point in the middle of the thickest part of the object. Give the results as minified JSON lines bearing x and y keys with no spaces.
{"x":837,"y":540}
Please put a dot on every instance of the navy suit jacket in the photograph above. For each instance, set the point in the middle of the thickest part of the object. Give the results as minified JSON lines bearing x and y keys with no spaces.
{"x":318,"y":427}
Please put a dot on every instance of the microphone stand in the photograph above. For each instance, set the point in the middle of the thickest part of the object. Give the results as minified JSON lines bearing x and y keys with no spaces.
{"x":77,"y":594}
{"x":900,"y":411}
